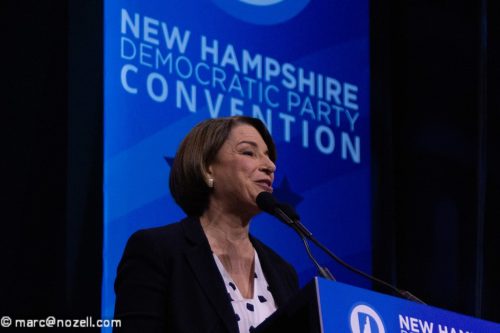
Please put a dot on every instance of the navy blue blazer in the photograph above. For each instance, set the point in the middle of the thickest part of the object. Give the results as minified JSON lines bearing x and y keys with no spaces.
{"x":168,"y":281}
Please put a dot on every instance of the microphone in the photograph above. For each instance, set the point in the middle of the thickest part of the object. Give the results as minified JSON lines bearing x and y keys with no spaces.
{"x":284,"y":212}
{"x":267,"y":202}
{"x":289,"y":211}
{"x":287,"y":214}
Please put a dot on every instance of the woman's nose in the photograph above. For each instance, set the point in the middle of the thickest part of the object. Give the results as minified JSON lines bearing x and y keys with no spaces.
{"x":268,"y":166}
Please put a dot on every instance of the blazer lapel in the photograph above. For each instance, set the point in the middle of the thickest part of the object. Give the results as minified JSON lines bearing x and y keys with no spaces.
{"x":273,"y":277}
{"x":202,"y":263}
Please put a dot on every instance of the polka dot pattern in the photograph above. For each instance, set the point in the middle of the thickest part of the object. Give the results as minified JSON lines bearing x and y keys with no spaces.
{"x":249,"y":312}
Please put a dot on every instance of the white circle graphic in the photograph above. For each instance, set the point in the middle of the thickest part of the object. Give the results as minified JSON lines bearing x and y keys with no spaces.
{"x":261,"y":2}
{"x":262,"y":12}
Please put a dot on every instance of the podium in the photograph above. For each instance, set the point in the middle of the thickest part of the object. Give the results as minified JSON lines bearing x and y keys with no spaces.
{"x":324,"y":306}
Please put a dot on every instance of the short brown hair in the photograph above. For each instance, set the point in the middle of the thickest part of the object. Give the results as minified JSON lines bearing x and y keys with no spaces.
{"x":197,"y":151}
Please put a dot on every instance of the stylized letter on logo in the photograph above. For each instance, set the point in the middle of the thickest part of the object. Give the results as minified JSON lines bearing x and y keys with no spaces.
{"x":365,"y":320}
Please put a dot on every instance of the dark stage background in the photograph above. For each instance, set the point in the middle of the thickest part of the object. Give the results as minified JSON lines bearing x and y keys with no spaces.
{"x":435,"y":104}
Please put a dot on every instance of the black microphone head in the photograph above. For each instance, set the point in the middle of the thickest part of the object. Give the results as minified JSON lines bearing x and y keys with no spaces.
{"x":289,"y":211}
{"x":266,"y":202}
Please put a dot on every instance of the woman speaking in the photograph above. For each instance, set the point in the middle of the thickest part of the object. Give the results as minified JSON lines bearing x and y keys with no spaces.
{"x":206,"y":273}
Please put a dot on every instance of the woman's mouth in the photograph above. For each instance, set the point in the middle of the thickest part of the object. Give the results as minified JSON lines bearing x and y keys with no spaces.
{"x":266,"y":184}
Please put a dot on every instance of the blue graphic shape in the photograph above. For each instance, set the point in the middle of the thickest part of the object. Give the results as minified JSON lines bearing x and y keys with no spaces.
{"x":169,"y":160}
{"x":284,"y":193}
{"x":262,"y":12}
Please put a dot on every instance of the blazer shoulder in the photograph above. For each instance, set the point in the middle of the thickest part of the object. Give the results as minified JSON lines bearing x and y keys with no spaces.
{"x":156,"y":241}
{"x":172,"y":230}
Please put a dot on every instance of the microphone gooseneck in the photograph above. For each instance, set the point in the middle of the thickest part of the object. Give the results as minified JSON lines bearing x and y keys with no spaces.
{"x":287,"y":214}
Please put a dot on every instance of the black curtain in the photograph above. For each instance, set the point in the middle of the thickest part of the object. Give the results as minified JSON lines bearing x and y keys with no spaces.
{"x":435,"y":103}
{"x":51,"y":110}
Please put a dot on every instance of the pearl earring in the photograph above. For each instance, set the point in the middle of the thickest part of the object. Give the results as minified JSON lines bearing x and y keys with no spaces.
{"x":210,"y":182}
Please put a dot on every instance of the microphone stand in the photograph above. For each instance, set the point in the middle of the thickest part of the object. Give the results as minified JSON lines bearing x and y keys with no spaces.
{"x":324,"y":272}
{"x":305,"y":234}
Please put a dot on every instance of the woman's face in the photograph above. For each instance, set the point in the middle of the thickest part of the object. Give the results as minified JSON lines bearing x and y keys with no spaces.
{"x":242,"y":169}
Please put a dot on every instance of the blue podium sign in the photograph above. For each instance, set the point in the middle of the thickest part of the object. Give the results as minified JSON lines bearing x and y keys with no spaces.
{"x":343,"y":308}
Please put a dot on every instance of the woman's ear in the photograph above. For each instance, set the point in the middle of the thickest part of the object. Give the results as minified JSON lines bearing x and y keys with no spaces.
{"x":208,"y":175}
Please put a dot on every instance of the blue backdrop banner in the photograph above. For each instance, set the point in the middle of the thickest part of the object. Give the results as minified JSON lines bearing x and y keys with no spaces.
{"x":301,"y":66}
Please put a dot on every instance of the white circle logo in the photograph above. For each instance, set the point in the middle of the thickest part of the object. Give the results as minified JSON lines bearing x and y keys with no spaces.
{"x":262,"y":12}
{"x":365,"y":319}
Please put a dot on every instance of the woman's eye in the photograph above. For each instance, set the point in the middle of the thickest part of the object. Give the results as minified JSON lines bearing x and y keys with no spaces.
{"x":248,"y":153}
